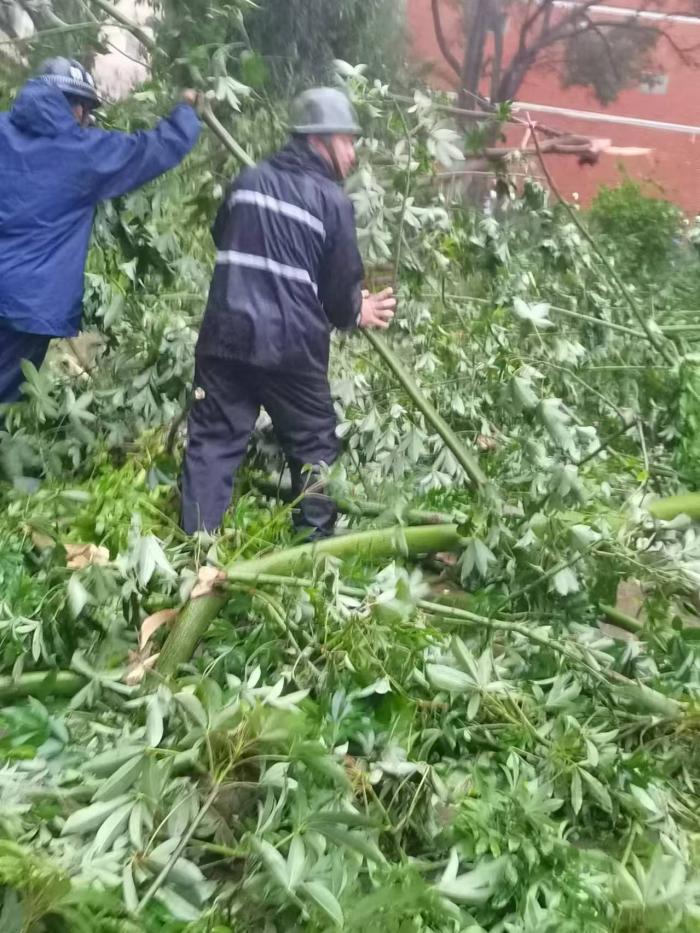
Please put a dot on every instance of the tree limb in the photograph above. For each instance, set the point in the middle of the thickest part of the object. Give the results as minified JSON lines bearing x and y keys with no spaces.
{"x":449,"y":56}
{"x":112,"y":10}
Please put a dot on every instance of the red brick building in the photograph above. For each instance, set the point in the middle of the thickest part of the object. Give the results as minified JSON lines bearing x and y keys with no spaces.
{"x":663,"y":115}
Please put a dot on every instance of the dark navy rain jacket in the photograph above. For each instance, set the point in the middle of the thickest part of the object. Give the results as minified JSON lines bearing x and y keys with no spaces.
{"x":53,"y":173}
{"x":288,"y":268}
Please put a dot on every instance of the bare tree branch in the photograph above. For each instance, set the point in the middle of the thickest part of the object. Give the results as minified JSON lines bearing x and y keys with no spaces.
{"x":448,"y":55}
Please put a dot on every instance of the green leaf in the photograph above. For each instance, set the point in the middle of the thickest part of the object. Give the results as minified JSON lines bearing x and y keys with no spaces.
{"x":154,"y":722}
{"x":537,"y":314}
{"x":91,"y":818}
{"x":131,"y":898}
{"x":274,"y":862}
{"x":179,"y":907}
{"x":523,"y":395}
{"x":108,"y":762}
{"x":449,"y":678}
{"x":474,"y":887}
{"x":121,"y":781}
{"x":186,"y":874}
{"x":476,"y":557}
{"x":112,"y":827}
{"x":565,"y":582}
{"x":597,"y":789}
{"x":12,"y":916}
{"x":644,"y":799}
{"x":576,"y":792}
{"x":340,"y":817}
{"x":78,"y":596}
{"x":151,"y":557}
{"x":192,"y":706}
{"x":320,"y":894}
{"x":357,"y":842}
{"x":296,"y":862}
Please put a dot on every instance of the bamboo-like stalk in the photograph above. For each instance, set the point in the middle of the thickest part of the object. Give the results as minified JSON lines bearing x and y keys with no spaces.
{"x":356,"y":507}
{"x":375,"y":544}
{"x":673,"y":506}
{"x":626,"y":622}
{"x":224,"y":137}
{"x":464,"y":457}
{"x":51,"y":31}
{"x":40,"y":684}
{"x":384,"y":542}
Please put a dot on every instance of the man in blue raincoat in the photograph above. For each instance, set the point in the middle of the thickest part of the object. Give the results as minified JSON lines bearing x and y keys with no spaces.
{"x":54,"y":170}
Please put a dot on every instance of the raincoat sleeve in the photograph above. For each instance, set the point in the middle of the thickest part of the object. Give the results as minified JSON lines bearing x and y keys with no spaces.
{"x":121,"y":162}
{"x":341,"y":272}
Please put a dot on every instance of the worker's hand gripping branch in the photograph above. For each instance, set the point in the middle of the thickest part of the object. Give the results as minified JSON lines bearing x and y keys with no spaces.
{"x":378,"y":310}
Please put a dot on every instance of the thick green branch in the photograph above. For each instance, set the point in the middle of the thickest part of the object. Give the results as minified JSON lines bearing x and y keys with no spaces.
{"x":464,"y":457}
{"x":385,"y":542}
{"x":357,"y":507}
{"x":668,"y":509}
{"x":40,"y":684}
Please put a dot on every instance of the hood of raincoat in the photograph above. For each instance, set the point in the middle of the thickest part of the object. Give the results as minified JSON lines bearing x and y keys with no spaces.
{"x":42,"y":110}
{"x":53,"y":174}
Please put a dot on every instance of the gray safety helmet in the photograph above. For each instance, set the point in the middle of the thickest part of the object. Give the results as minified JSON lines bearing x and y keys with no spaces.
{"x":69,"y":76}
{"x":323,"y":111}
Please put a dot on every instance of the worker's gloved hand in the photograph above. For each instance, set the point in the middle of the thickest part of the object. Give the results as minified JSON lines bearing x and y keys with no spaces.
{"x":378,"y":310}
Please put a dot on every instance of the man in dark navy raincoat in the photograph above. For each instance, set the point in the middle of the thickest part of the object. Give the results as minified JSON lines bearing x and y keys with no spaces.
{"x":288,"y":270}
{"x":54,"y":170}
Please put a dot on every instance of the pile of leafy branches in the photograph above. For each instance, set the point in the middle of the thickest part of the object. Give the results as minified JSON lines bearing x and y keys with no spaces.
{"x":377,"y":743}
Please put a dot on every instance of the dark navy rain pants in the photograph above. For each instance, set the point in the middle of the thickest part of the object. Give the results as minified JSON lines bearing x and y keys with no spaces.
{"x":15,"y":347}
{"x":228,"y":397}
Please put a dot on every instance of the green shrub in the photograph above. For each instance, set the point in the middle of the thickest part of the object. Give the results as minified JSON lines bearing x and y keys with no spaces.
{"x":643,"y":227}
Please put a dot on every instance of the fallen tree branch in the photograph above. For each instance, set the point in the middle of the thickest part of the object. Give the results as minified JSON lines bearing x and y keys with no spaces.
{"x":113,"y":10}
{"x":354,"y":507}
{"x":386,"y":542}
{"x":673,"y":506}
{"x":41,"y":684}
{"x":466,"y":460}
{"x":643,"y":697}
{"x":41,"y":34}
{"x":622,"y":620}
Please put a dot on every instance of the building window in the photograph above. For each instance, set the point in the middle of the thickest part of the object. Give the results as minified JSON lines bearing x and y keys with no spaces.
{"x":654,"y":84}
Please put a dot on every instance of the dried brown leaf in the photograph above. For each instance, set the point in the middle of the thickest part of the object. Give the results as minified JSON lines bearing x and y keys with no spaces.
{"x":208,"y":579}
{"x":82,"y":555}
{"x":151,"y":625}
{"x":139,"y":666}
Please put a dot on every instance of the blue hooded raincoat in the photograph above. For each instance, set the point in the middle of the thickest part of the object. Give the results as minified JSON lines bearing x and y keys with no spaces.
{"x":53,"y":173}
